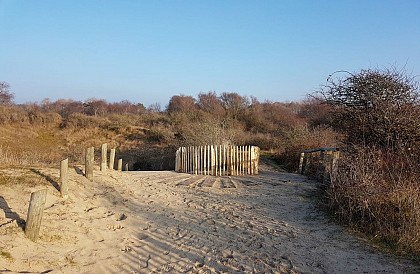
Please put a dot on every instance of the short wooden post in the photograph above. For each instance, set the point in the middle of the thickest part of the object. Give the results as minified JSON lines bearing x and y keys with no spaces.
{"x":327,"y":167}
{"x":35,"y":210}
{"x":119,"y":164}
{"x":112,"y":159}
{"x":126,"y":167}
{"x":89,"y":162}
{"x":320,"y":165}
{"x":64,"y":187}
{"x":334,"y":165}
{"x":104,"y":154}
{"x":302,"y":156}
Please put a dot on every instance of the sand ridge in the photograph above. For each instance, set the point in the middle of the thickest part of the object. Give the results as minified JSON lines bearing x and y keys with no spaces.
{"x":167,"y":222}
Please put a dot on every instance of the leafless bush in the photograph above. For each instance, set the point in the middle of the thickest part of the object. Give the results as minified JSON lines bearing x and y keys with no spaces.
{"x":299,"y":139}
{"x":377,"y":198}
{"x":79,"y":120}
{"x":13,"y":115}
{"x":376,"y":108}
{"x":376,"y":188}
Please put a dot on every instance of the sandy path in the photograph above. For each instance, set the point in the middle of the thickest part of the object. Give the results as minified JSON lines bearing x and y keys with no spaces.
{"x":165,"y":222}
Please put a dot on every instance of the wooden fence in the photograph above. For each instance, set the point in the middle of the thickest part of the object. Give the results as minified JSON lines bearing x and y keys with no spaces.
{"x":218,"y":160}
{"x":320,"y":163}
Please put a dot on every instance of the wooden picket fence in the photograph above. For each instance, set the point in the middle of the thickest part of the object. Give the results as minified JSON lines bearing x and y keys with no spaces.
{"x":218,"y":160}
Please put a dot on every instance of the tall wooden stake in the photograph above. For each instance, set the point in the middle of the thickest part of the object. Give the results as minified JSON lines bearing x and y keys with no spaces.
{"x":120,"y":164}
{"x":89,"y":161}
{"x":35,"y":210}
{"x":104,"y":152}
{"x":112,"y":159}
{"x":64,"y":187}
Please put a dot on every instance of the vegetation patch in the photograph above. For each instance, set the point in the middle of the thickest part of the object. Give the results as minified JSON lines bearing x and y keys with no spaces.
{"x":6,"y":255}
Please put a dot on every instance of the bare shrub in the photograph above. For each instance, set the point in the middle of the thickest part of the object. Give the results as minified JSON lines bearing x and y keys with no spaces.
{"x":210,"y":130}
{"x":79,"y":120}
{"x":298,"y":139}
{"x":376,"y":108}
{"x":377,"y":198}
{"x":13,"y":115}
{"x":376,"y":189}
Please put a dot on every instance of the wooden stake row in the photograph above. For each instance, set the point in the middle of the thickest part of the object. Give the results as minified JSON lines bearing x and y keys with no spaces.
{"x":38,"y":198}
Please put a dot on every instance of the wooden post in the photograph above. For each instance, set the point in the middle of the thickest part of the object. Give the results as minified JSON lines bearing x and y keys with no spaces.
{"x":64,"y":188}
{"x":119,"y":164}
{"x":320,"y":165}
{"x":334,"y":165}
{"x":213,"y":160}
{"x":112,"y":159}
{"x":205,"y":160}
{"x":209,"y":160}
{"x":257,"y":160}
{"x":126,"y":167}
{"x":306,"y":163}
{"x":35,"y":210}
{"x":219,"y":162}
{"x":241,"y":170}
{"x":195,"y":151}
{"x":184,"y":159}
{"x":302,"y":156}
{"x":89,"y":161}
{"x":237,"y":172}
{"x":250,"y":162}
{"x":104,"y":152}
{"x":327,"y":167}
{"x":188,"y":160}
{"x":177,"y":159}
{"x":229,"y":160}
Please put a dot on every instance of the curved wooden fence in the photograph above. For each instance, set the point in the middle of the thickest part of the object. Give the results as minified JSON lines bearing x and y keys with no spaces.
{"x":218,"y":160}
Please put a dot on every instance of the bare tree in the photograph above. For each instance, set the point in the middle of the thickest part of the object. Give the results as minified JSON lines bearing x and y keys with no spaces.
{"x":234,"y":103}
{"x":95,"y":107}
{"x":6,"y":97}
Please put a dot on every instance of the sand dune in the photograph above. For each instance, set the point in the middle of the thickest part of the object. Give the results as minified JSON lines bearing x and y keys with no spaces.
{"x":166,"y":222}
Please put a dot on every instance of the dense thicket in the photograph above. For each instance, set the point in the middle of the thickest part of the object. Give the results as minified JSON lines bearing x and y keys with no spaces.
{"x":376,"y":108}
{"x":377,"y":188}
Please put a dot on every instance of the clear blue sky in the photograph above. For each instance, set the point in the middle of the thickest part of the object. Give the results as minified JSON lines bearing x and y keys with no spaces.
{"x":148,"y":51}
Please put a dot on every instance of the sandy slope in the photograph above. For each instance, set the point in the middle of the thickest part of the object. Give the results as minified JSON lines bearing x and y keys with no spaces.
{"x":165,"y":222}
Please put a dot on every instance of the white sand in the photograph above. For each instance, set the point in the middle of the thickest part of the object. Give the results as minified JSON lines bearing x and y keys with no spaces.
{"x":166,"y":222}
